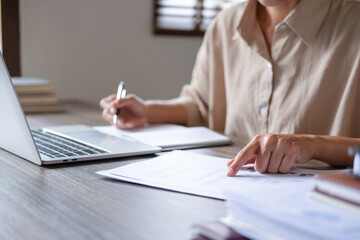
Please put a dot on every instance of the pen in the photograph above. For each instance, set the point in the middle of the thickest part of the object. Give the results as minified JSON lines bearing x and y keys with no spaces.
{"x":121,"y":93}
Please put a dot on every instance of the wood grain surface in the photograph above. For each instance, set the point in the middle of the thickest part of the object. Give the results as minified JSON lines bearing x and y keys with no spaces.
{"x":72,"y":202}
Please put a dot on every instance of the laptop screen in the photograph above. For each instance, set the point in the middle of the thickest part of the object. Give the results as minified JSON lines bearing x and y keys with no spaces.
{"x":15,"y":135}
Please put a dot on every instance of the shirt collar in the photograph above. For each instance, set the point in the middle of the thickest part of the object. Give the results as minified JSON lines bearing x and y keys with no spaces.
{"x":305,"y":20}
{"x":249,"y":30}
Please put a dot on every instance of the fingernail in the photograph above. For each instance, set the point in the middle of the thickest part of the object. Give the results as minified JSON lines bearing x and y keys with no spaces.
{"x":230,"y":172}
{"x":112,"y":110}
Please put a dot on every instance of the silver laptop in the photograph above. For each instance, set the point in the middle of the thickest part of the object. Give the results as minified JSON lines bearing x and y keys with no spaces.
{"x":61,"y":144}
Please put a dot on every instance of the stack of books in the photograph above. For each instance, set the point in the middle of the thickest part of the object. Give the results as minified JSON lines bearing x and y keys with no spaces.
{"x":340,"y":189}
{"x":36,"y":95}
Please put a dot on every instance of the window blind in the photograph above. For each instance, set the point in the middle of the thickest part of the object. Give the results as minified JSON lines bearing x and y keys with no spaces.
{"x":186,"y":17}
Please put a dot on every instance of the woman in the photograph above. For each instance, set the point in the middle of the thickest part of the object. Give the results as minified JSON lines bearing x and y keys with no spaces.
{"x":284,"y":71}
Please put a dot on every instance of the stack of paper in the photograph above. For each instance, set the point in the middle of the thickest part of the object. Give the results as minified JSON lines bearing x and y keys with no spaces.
{"x":288,"y":213}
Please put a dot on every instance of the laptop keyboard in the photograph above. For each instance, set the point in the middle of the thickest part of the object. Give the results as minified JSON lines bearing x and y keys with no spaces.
{"x":55,"y":146}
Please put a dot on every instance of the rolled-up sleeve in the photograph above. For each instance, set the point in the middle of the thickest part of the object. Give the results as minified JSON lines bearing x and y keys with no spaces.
{"x":195,"y":96}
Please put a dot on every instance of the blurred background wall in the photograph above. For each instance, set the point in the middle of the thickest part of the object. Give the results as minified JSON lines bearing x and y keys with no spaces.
{"x":85,"y":47}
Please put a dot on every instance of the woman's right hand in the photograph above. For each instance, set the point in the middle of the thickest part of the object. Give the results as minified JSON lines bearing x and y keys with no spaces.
{"x":132,"y":111}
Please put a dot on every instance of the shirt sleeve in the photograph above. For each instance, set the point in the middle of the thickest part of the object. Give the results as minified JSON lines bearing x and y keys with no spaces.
{"x":195,"y":96}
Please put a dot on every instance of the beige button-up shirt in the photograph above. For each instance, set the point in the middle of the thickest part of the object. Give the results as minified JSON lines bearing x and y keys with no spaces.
{"x":310,"y":83}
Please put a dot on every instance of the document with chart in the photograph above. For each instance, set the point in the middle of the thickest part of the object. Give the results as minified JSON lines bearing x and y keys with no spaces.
{"x":202,"y":175}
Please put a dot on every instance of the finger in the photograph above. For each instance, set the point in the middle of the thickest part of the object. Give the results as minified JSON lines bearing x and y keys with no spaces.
{"x":125,"y":125}
{"x":121,"y":103}
{"x":293,"y":155}
{"x":107,"y":116}
{"x":243,"y":156}
{"x":121,"y":123}
{"x":133,"y":123}
{"x":230,"y":162}
{"x":124,"y":102}
{"x":251,"y":160}
{"x":287,"y":162}
{"x":106,"y":102}
{"x":277,"y":156}
{"x":268,"y":145}
{"x":275,"y":162}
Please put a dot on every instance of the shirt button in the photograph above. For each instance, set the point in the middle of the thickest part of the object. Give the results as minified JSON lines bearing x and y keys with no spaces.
{"x":263,"y":111}
{"x":269,"y":65}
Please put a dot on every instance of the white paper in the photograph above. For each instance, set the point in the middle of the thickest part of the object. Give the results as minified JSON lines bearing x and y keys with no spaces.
{"x":261,"y":206}
{"x":289,"y":213}
{"x":202,"y":175}
{"x":169,"y":135}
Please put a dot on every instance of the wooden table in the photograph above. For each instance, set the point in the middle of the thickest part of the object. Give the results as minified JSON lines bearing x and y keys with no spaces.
{"x":72,"y":202}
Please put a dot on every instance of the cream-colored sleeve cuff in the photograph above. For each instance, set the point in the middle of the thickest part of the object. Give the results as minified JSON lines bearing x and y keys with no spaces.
{"x":193,"y":114}
{"x":197,"y":113}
